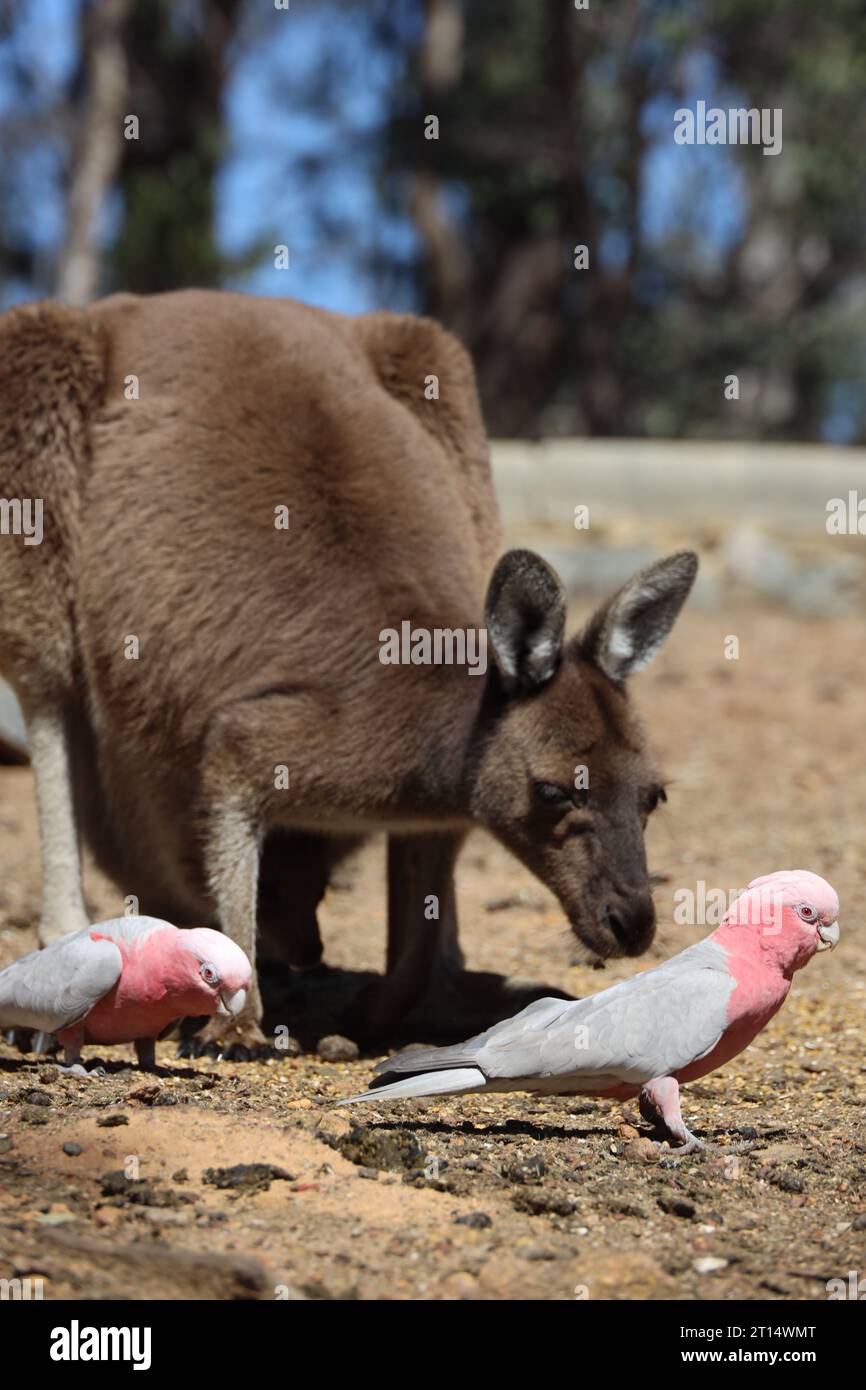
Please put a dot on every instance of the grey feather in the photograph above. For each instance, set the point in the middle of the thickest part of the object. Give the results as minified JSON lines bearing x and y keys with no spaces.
{"x":649,"y":1026}
{"x":52,"y":989}
{"x":447,"y":1083}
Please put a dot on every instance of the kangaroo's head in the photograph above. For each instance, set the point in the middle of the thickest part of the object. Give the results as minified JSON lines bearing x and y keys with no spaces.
{"x":563,"y":778}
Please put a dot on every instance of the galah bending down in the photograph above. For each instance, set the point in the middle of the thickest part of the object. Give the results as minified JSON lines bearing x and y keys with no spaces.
{"x":125,"y":980}
{"x":648,"y":1034}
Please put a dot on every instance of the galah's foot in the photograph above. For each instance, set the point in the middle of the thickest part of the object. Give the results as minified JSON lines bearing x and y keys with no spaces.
{"x":145,"y":1051}
{"x":228,"y":1040}
{"x":671,"y":1158}
{"x":79,"y":1069}
{"x":660,"y":1105}
{"x":692,"y":1145}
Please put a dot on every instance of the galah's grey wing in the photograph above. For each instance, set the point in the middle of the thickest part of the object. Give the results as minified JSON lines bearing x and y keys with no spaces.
{"x":649,"y":1026}
{"x":524,"y":1031}
{"x":667,"y":1019}
{"x":54,"y":988}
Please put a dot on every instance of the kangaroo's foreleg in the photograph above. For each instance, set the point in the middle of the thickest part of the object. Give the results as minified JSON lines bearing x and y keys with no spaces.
{"x":232,"y":860}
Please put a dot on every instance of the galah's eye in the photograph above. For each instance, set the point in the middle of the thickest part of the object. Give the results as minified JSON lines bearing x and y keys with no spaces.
{"x":209,"y":973}
{"x":807,"y":912}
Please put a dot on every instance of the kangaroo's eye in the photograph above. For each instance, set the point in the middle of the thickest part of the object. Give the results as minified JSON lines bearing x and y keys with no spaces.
{"x":807,"y":912}
{"x":549,"y":793}
{"x":209,"y":973}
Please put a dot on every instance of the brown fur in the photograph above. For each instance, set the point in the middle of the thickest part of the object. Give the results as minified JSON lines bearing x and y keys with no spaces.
{"x":260,"y":647}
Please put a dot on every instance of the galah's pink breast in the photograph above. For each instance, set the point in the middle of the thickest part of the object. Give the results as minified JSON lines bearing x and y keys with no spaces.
{"x":152,"y":992}
{"x":759,"y":992}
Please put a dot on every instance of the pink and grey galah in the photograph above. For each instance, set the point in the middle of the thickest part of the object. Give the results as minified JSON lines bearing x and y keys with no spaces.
{"x":646,"y":1035}
{"x":125,"y":980}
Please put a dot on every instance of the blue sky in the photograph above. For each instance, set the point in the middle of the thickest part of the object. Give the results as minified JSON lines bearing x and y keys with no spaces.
{"x":261,"y":194}
{"x":259,"y":191}
{"x":698,"y":192}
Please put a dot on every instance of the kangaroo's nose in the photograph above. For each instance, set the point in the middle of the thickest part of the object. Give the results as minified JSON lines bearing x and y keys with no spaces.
{"x":631,"y":921}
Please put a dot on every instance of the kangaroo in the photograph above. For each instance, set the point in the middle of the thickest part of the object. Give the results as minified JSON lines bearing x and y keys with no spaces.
{"x":241,"y":499}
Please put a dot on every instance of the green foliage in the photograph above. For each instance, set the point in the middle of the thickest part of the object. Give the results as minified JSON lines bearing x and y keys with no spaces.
{"x":556,"y":134}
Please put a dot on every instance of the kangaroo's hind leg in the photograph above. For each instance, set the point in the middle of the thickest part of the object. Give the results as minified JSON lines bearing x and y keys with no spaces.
{"x":63,"y":907}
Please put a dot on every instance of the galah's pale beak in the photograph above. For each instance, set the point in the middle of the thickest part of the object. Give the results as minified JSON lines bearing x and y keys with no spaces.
{"x":234,"y":1003}
{"x":829,"y":936}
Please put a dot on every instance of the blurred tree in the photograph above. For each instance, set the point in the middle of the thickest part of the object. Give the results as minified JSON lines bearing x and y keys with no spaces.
{"x":552,"y":122}
{"x":97,"y":145}
{"x":555,"y":131}
{"x":178,"y":57}
{"x":25,"y":130}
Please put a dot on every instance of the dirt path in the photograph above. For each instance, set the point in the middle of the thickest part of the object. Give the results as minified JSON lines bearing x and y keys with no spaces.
{"x":500,"y":1197}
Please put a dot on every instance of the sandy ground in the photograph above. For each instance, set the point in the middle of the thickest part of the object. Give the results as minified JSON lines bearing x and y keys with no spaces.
{"x":113,"y":1186}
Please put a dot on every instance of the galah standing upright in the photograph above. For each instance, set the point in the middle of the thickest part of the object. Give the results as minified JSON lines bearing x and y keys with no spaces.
{"x":125,"y":980}
{"x":644,"y":1036}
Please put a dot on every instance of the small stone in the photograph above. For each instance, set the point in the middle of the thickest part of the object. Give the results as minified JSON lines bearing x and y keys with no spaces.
{"x":72,"y":1149}
{"x":36,"y":1098}
{"x":250,"y":1177}
{"x":620,"y":1206}
{"x":370,"y":1148}
{"x":641,"y":1151}
{"x":335,"y":1048}
{"x":787,"y":1181}
{"x":475,"y":1220}
{"x":145,"y":1095}
{"x":6,"y":1143}
{"x":531,"y":1171}
{"x":537,"y":1203}
{"x":628,"y":1132}
{"x":112,"y":1121}
{"x":708,"y":1264}
{"x":180,"y":1175}
{"x":677,"y":1206}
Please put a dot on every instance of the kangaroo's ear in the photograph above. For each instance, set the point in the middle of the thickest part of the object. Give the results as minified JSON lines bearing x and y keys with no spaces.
{"x":525,"y":617}
{"x":627,"y":631}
